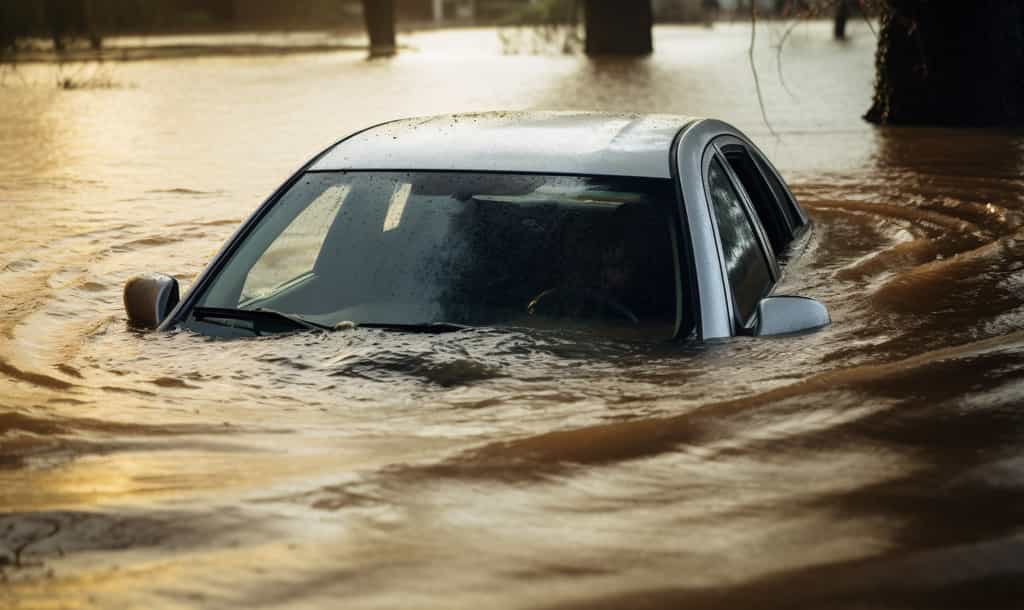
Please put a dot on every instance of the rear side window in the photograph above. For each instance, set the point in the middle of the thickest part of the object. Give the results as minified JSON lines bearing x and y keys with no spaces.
{"x":749,"y":274}
{"x":776,"y":226}
{"x":781,"y":194}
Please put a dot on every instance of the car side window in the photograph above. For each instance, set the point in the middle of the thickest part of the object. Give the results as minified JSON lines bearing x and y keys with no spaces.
{"x":763,"y":198}
{"x":750,"y":277}
{"x":782,"y":195}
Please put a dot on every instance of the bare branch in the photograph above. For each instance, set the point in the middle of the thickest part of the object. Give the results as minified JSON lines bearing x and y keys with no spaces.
{"x":864,"y":13}
{"x":753,"y":67}
{"x":778,"y":56}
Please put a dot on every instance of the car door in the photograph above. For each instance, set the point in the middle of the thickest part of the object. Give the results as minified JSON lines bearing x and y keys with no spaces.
{"x":746,"y":258}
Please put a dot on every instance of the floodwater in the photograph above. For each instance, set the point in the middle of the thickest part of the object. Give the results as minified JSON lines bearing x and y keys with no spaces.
{"x":876,"y":464}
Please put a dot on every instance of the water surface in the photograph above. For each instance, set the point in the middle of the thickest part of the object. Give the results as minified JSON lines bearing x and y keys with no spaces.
{"x":876,"y":464}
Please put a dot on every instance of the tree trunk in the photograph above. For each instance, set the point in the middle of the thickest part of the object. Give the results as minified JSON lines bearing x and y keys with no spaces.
{"x":9,"y":29}
{"x":842,"y":15}
{"x":90,"y":18}
{"x":621,"y":27}
{"x":57,"y":22}
{"x":72,"y":19}
{"x":380,"y":24}
{"x":950,"y":63}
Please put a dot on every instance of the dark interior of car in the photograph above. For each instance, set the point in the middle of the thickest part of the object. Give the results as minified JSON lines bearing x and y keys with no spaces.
{"x":484,"y":259}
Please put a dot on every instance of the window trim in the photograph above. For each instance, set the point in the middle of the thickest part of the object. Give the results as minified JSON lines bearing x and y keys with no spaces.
{"x":791,"y":203}
{"x":689,"y":317}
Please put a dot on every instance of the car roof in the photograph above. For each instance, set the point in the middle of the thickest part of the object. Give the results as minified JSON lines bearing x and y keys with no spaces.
{"x":576,"y":143}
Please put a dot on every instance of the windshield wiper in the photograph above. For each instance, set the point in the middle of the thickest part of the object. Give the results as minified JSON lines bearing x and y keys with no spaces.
{"x":270,"y":316}
{"x":258,"y":316}
{"x":427,"y":328}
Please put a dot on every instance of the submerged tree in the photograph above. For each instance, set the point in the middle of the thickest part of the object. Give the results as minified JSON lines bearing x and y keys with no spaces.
{"x":72,"y":18}
{"x":380,"y":25}
{"x":842,"y":16}
{"x":549,"y":26}
{"x":950,"y":63}
{"x":13,"y":23}
{"x":610,"y":27}
{"x":621,"y":27}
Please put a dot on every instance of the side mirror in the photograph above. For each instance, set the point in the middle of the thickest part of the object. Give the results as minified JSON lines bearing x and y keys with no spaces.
{"x":149,"y":299}
{"x":789,"y":315}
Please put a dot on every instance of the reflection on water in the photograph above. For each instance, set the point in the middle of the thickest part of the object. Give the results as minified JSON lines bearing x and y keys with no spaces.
{"x":875,"y":464}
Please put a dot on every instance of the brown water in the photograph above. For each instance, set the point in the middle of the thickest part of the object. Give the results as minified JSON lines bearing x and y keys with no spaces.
{"x":877,"y":464}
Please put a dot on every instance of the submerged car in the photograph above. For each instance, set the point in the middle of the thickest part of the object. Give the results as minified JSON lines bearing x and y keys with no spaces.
{"x":655,"y":227}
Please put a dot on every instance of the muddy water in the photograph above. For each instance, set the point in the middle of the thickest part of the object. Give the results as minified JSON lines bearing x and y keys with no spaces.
{"x":876,"y":464}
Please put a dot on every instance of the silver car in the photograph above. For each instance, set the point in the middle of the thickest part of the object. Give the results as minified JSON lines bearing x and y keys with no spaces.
{"x":639,"y":226}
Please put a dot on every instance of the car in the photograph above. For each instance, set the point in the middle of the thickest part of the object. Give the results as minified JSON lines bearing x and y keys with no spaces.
{"x":656,"y":227}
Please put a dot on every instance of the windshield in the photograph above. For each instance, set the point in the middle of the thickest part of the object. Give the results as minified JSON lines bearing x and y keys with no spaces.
{"x":417,"y":248}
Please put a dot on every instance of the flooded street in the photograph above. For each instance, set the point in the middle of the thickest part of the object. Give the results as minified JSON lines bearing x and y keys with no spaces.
{"x":876,"y":464}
